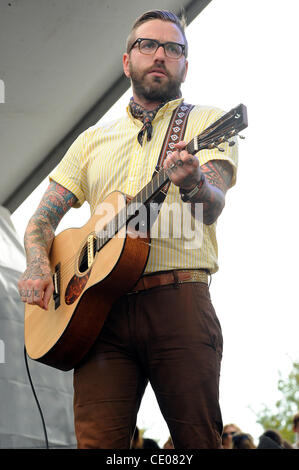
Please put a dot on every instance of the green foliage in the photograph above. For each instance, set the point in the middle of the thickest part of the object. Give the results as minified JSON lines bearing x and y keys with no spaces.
{"x":280,"y":419}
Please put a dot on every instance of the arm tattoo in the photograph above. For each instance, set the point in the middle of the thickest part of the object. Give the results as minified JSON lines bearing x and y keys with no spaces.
{"x":218,"y":174}
{"x":41,"y":228}
{"x":56,"y":202}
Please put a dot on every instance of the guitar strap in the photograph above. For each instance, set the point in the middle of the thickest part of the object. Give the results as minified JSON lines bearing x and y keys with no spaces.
{"x":174,"y":134}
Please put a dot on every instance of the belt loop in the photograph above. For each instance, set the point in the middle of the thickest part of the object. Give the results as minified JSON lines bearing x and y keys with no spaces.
{"x":176,"y":279}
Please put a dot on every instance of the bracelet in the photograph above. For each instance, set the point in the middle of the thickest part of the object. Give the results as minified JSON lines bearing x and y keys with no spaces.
{"x":188,"y":195}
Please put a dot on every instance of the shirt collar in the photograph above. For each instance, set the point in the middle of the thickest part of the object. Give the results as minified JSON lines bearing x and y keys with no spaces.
{"x":168,"y":108}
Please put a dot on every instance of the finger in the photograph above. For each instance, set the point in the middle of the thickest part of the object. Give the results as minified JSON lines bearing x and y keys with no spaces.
{"x":47,"y":295}
{"x":189,"y":159}
{"x":37,"y":296}
{"x":23,"y":294}
{"x":180,"y":145}
{"x":171,"y":159}
{"x":29,"y":295}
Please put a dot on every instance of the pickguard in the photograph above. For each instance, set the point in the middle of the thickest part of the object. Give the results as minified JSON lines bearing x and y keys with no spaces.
{"x":75,"y":288}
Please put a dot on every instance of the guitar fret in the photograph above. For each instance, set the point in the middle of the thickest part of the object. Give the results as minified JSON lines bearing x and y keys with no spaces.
{"x":195,"y":144}
{"x":226,"y":126}
{"x":159,"y":181}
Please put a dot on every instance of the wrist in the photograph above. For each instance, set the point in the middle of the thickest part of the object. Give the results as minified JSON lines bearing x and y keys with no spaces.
{"x":191,"y":194}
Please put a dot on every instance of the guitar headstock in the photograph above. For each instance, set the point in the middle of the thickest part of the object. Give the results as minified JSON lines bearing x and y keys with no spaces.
{"x":221,"y":131}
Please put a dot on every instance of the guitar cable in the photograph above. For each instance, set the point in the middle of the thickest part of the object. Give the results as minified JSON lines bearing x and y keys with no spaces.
{"x":36,"y":399}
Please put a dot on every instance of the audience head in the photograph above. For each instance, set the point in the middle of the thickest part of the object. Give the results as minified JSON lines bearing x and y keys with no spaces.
{"x":243,"y":440}
{"x":229,"y":430}
{"x":274,"y":435}
{"x":296,"y":423}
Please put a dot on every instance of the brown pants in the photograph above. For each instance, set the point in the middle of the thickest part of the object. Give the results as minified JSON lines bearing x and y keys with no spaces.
{"x":170,"y":336}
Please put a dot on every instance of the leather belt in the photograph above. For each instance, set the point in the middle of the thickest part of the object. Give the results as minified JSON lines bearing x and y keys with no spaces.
{"x":176,"y":277}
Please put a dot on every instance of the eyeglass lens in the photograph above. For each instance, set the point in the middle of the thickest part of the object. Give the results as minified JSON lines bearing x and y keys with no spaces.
{"x":150,"y":46}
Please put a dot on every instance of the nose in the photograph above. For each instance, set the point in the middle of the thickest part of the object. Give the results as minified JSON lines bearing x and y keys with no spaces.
{"x":160,"y":53}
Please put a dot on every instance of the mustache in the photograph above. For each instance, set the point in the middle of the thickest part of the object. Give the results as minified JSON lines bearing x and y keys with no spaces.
{"x":157,"y":68}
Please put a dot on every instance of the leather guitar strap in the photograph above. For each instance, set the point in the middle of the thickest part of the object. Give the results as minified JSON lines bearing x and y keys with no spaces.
{"x":174,"y":134}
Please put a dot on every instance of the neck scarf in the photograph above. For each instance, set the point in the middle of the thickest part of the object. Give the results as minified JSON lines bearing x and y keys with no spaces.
{"x":146,"y":117}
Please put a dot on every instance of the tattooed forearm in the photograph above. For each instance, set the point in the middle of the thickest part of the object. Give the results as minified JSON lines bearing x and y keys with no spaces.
{"x":55,"y":203}
{"x":40,"y":231}
{"x":36,"y":283}
{"x":218,"y":173}
{"x":218,"y":176}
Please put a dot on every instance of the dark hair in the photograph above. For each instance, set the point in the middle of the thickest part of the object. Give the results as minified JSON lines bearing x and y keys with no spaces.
{"x":296,"y":419}
{"x":243,"y":441}
{"x":163,"y":15}
{"x":274,"y":435}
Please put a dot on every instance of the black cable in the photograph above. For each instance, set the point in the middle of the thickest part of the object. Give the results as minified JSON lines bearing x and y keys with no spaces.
{"x":37,"y":402}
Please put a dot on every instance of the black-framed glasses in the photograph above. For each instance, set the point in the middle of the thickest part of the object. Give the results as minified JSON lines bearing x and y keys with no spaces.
{"x":173,"y":50}
{"x":226,"y":434}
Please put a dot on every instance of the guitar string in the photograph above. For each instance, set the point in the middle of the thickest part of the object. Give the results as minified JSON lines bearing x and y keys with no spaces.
{"x":68,"y":266}
{"x":190,"y":146}
{"x":69,"y":263}
{"x":69,"y":272}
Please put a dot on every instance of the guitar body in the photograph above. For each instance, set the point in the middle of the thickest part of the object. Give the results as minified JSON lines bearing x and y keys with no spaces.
{"x":62,"y":335}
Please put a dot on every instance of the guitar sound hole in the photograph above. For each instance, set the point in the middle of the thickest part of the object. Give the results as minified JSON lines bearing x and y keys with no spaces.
{"x":84,"y":260}
{"x":83,"y":264}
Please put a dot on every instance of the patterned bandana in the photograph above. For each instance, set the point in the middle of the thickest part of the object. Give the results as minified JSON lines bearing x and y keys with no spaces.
{"x":146,"y":117}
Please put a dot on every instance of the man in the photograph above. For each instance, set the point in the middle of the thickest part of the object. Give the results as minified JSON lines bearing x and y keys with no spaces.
{"x":168,"y":334}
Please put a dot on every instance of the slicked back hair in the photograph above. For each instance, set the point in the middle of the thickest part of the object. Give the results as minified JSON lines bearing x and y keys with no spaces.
{"x":163,"y":15}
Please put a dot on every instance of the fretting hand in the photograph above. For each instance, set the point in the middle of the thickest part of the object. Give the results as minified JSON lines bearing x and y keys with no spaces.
{"x":182,"y":168}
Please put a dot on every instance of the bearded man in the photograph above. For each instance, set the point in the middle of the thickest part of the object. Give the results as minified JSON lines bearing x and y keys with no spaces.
{"x":164,"y":330}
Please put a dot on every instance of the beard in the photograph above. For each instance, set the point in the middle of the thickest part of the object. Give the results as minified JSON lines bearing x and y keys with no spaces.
{"x":153,"y":88}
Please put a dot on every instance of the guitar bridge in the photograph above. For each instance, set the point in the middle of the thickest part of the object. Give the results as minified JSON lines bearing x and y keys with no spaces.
{"x":90,"y":250}
{"x":56,"y":282}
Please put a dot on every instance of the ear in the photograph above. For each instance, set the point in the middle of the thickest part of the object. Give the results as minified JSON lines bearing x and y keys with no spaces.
{"x":126,"y":60}
{"x":186,"y":70}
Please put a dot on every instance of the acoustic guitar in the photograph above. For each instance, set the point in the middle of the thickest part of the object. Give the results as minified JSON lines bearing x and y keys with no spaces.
{"x":96,"y":264}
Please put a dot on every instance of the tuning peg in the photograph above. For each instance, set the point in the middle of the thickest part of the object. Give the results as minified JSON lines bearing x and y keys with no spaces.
{"x":231,"y":143}
{"x":241,"y":136}
{"x":219,"y":148}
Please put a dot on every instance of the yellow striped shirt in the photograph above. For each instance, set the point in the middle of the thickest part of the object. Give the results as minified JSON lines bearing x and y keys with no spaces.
{"x":108,"y":157}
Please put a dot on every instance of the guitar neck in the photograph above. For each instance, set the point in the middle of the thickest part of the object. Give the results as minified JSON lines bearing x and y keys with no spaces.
{"x":143,"y":197}
{"x":222,"y":130}
{"x":159,"y":180}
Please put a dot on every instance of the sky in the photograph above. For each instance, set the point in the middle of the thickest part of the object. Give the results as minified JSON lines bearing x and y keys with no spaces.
{"x":243,"y":51}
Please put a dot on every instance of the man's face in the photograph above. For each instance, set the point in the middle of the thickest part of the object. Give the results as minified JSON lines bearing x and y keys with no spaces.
{"x":156,"y":77}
